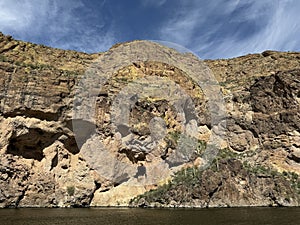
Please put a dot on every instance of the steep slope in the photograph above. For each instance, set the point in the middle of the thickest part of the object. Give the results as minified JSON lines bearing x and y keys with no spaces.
{"x":53,"y":154}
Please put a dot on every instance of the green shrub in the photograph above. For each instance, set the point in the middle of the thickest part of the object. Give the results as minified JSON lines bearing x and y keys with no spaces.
{"x":201,"y":147}
{"x":174,"y":135}
{"x":3,"y":58}
{"x":18,"y":63}
{"x":71,"y":190}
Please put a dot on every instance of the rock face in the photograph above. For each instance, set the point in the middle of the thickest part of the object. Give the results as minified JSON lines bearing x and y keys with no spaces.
{"x":53,"y":157}
{"x":229,"y":182}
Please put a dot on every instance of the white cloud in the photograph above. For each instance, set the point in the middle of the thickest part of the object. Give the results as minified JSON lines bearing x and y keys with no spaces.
{"x":13,"y":16}
{"x":282,"y":32}
{"x":192,"y":15}
{"x":230,"y":28}
{"x":213,"y":29}
{"x":55,"y":21}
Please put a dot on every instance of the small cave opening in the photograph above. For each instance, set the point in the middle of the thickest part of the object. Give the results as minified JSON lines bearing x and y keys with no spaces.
{"x":31,"y":144}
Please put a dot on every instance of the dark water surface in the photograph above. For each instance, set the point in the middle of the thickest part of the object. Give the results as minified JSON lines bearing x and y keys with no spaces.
{"x":114,"y":216}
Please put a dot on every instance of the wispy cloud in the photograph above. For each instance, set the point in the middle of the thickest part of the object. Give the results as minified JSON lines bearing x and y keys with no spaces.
{"x":193,"y":18}
{"x":230,"y":28}
{"x":61,"y":24}
{"x":212,"y":29}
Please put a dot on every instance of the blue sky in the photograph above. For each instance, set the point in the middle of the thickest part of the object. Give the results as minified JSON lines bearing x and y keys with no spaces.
{"x":209,"y":28}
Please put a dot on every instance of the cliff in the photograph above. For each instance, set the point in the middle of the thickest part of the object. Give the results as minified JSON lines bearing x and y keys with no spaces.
{"x":145,"y":125}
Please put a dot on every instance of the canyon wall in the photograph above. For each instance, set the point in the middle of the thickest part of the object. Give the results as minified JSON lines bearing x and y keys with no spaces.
{"x":57,"y":150}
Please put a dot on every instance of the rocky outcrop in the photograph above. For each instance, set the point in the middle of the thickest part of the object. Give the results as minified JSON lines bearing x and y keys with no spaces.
{"x":150,"y":131}
{"x":229,"y":182}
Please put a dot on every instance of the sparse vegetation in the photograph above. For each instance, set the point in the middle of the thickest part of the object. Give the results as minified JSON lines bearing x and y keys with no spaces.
{"x":71,"y":190}
{"x":200,"y":147}
{"x":190,"y":178}
{"x":38,"y":66}
{"x":18,"y":63}
{"x":174,"y":136}
{"x":3,"y":58}
{"x":294,"y":179}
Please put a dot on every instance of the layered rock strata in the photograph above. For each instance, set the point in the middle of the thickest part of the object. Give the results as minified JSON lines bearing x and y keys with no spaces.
{"x":47,"y":162}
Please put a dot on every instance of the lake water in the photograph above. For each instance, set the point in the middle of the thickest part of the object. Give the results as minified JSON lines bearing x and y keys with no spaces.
{"x":120,"y":216}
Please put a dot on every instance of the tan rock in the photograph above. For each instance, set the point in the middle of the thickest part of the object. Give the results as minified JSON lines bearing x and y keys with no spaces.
{"x":43,"y":165}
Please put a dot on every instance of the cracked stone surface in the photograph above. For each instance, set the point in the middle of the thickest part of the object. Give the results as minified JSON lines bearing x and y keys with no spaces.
{"x":45,"y":162}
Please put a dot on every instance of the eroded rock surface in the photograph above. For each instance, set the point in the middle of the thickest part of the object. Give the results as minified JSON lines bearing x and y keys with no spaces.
{"x":46,"y":162}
